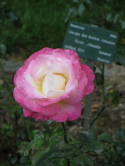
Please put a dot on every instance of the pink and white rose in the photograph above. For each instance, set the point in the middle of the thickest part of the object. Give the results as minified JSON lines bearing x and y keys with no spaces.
{"x":51,"y":85}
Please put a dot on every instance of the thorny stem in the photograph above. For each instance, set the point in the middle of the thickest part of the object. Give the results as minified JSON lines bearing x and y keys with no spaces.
{"x":97,"y":115}
{"x":65,"y":139}
{"x":98,"y":67}
{"x":28,"y":129}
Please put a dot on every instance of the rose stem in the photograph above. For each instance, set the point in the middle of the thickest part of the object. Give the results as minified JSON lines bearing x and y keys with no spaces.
{"x":65,"y":139}
{"x":97,"y":115}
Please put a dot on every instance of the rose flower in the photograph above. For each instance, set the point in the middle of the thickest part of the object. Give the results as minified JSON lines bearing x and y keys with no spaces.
{"x":51,"y":85}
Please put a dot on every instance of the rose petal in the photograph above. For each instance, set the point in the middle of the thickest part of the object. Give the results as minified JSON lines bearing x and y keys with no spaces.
{"x":58,"y":67}
{"x":70,"y":111}
{"x":37,"y":70}
{"x":36,"y":54}
{"x":55,"y":94}
{"x":19,"y":73}
{"x":34,"y":115}
{"x":45,"y":110}
{"x":47,"y":50}
{"x":58,"y":51}
{"x":90,"y":75}
{"x":48,"y":101}
{"x":89,"y":72}
{"x":51,"y":85}
{"x":78,"y":94}
{"x":72,"y":77}
{"x":89,"y":88}
{"x":47,"y":84}
{"x":72,"y":54}
{"x":19,"y":97}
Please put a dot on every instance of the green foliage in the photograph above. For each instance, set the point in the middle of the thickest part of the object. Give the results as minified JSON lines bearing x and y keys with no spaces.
{"x":86,"y":136}
{"x":54,"y":150}
{"x":120,"y":58}
{"x":11,"y":134}
{"x":105,"y":137}
{"x":114,"y":96}
{"x":89,"y":144}
{"x":115,"y":153}
{"x":43,"y":156}
{"x":7,"y":130}
{"x":120,"y":134}
{"x":42,"y":25}
{"x":81,"y":161}
{"x":98,"y":79}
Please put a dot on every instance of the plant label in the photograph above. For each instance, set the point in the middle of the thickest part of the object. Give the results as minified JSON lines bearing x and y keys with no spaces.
{"x":91,"y":42}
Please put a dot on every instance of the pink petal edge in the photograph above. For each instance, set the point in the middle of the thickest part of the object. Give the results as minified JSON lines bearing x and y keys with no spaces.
{"x":70,"y":111}
{"x":35,"y":115}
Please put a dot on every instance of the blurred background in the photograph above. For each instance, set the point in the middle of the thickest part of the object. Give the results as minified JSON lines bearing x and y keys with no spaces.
{"x":27,"y":26}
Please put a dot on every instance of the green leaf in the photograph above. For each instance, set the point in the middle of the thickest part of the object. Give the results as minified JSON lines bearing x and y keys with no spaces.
{"x":115,"y":101}
{"x":50,"y":121}
{"x":75,"y":11}
{"x":116,"y":18}
{"x":94,"y":146}
{"x":47,"y":163}
{"x":81,"y":161}
{"x":122,"y":24}
{"x":107,"y":161}
{"x":39,"y":144}
{"x":89,"y":4}
{"x":87,"y":161}
{"x":116,"y":58}
{"x":86,"y":136}
{"x":97,"y":147}
{"x":105,"y":138}
{"x":99,"y":78}
{"x":117,"y":158}
{"x":14,"y":160}
{"x":77,"y":161}
{"x":123,"y":155}
{"x":43,"y":156}
{"x":68,"y":150}
{"x":119,"y":146}
{"x":109,"y":17}
{"x":47,"y":132}
{"x":86,"y":147}
{"x":25,"y":160}
{"x":81,"y":9}
{"x":25,"y":147}
{"x":114,"y":96}
{"x":2,"y":49}
{"x":69,"y":14}
{"x":122,"y":60}
{"x":120,"y":134}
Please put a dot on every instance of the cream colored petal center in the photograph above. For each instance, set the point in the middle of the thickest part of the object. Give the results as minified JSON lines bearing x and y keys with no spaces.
{"x":54,"y":82}
{"x":41,"y":73}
